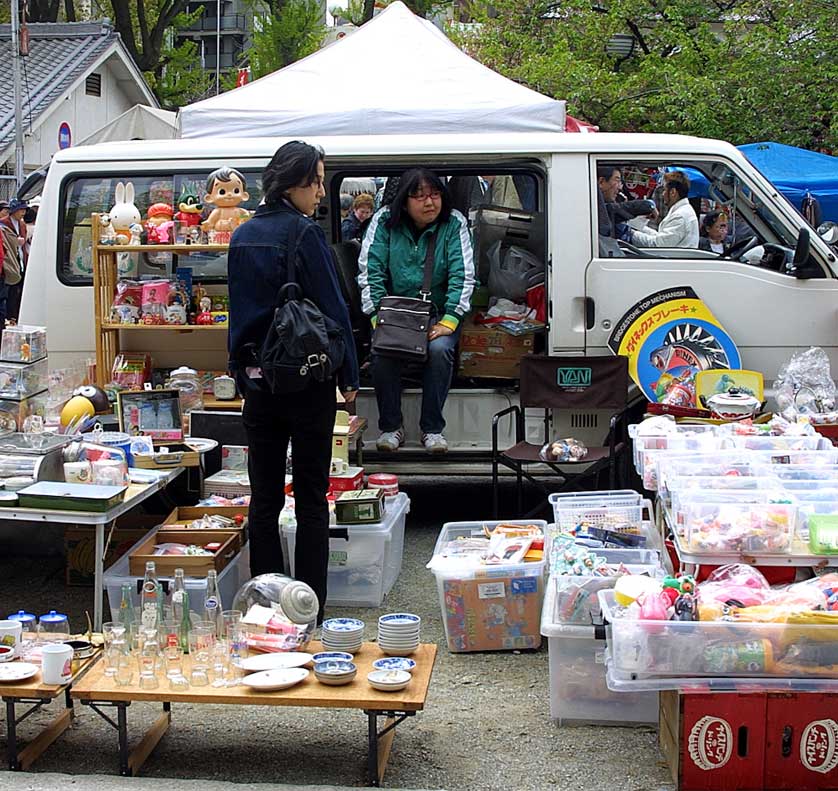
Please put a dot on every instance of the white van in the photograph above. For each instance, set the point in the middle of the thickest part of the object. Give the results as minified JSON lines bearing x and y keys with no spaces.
{"x":772,"y":302}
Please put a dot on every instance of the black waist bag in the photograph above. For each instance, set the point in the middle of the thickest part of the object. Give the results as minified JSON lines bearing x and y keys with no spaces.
{"x":302,"y":345}
{"x":403,"y":322}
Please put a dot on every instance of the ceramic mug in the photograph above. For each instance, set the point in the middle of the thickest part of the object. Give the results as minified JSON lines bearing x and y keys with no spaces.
{"x":338,"y":466}
{"x":11,"y":633}
{"x":57,"y":664}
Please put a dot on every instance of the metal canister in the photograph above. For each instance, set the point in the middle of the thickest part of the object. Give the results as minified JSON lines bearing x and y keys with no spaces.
{"x":386,"y":481}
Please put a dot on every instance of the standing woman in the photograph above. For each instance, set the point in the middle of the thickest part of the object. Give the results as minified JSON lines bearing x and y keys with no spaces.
{"x":392,"y":263}
{"x":257,"y":267}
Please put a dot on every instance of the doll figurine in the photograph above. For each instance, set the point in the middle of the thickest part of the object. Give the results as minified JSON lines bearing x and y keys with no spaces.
{"x":225,"y":190}
{"x":204,"y":311}
{"x":189,"y":207}
{"x":107,"y":234}
{"x":159,"y":223}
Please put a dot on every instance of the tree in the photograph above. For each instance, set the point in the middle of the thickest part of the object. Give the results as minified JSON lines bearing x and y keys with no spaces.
{"x":741,"y":70}
{"x":48,"y":10}
{"x":143,"y":25}
{"x":292,"y":30}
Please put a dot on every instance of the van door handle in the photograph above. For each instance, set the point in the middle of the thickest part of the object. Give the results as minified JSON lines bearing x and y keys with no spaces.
{"x":590,"y":313}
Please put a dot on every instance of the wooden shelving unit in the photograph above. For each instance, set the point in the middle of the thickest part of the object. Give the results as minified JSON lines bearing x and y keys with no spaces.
{"x":105,"y":278}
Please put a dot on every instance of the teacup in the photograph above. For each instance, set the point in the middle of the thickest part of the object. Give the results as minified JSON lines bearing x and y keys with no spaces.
{"x":7,"y":653}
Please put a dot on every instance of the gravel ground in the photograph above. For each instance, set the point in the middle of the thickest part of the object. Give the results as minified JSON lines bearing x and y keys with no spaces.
{"x":486,"y":724}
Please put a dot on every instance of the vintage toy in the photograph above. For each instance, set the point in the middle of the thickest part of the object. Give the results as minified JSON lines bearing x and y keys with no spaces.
{"x":124,"y":213}
{"x":204,"y":311}
{"x":189,"y":206}
{"x":160,"y":225}
{"x":136,"y":231}
{"x":107,"y":234}
{"x":226,"y":189}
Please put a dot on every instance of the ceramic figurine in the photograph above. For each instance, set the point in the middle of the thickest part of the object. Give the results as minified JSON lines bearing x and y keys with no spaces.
{"x":189,"y":207}
{"x":136,"y":231}
{"x":159,"y":223}
{"x":204,"y":311}
{"x":107,"y":234}
{"x":226,"y":189}
{"x":124,"y":213}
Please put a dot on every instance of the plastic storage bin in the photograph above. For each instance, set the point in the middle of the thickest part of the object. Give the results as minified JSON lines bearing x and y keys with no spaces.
{"x":230,"y":579}
{"x":488,"y":608}
{"x":21,"y":380}
{"x":23,"y":344}
{"x":365,"y":560}
{"x":620,"y":510}
{"x":13,"y":411}
{"x":756,"y":442}
{"x":760,"y":522}
{"x":578,"y":691}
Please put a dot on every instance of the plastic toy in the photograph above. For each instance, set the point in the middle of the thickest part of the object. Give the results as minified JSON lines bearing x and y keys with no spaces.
{"x":107,"y":234}
{"x":136,"y":231}
{"x":686,"y":608}
{"x":96,"y":395}
{"x":189,"y":206}
{"x":225,"y":190}
{"x":159,"y":224}
{"x":76,"y":409}
{"x":124,"y":213}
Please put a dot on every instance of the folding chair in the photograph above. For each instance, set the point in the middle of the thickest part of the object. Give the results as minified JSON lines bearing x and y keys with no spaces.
{"x":559,"y":383}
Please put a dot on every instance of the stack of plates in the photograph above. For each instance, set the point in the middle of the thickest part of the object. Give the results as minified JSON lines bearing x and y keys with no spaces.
{"x":398,"y":633}
{"x":343,"y":634}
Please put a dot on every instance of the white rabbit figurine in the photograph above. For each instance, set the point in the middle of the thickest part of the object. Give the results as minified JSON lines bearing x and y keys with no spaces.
{"x":124,"y":213}
{"x":107,"y":235}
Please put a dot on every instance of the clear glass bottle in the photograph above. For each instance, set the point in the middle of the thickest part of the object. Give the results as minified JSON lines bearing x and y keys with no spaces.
{"x":212,"y":602}
{"x":126,"y":607}
{"x":178,"y":592}
{"x":150,"y":597}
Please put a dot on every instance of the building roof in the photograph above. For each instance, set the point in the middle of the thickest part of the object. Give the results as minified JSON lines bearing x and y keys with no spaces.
{"x":60,"y":56}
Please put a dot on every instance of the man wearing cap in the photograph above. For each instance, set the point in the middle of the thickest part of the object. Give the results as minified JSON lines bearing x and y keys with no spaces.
{"x":15,"y":221}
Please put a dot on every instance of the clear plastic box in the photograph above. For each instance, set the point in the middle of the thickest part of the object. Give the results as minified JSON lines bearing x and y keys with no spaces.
{"x":822,"y":500}
{"x":13,"y":411}
{"x":486,"y":608}
{"x":723,"y":463}
{"x":686,"y":437}
{"x":620,"y":510}
{"x":21,"y":380}
{"x":578,"y":691}
{"x":230,"y":579}
{"x":650,"y":649}
{"x":363,"y":566}
{"x":23,"y":344}
{"x":789,"y":474}
{"x":759,"y":522}
{"x":756,"y":442}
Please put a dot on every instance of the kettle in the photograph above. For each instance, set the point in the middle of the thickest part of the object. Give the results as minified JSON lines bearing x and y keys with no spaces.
{"x":733,"y":405}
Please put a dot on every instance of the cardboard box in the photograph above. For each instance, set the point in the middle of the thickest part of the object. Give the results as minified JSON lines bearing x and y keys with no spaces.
{"x":347,"y":481}
{"x":493,"y":613}
{"x":364,"y":506}
{"x":80,"y":546}
{"x":487,"y":351}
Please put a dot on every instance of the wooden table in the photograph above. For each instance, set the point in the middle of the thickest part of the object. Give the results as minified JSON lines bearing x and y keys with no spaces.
{"x":35,"y":694}
{"x":99,"y":691}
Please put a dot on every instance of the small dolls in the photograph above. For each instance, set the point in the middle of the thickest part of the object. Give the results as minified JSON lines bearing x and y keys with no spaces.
{"x":189,"y":207}
{"x":159,"y":224}
{"x":204,"y":311}
{"x":225,"y":190}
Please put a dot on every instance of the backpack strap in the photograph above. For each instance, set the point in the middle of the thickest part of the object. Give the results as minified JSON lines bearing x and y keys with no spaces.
{"x":291,"y":252}
{"x":425,"y":293}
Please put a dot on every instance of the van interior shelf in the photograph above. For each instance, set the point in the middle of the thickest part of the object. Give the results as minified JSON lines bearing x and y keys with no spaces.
{"x":182,"y":249}
{"x":170,"y":327}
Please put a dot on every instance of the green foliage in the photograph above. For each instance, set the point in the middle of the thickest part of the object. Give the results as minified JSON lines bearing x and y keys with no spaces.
{"x":280,"y":39}
{"x":180,"y":80}
{"x":741,"y":70}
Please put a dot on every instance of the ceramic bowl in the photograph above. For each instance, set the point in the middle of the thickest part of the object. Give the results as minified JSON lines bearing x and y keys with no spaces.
{"x":7,"y":653}
{"x":389,"y":680}
{"x":391,"y":651}
{"x":394,"y":663}
{"x":336,"y":668}
{"x":335,"y":681}
{"x":82,"y":649}
{"x":332,"y":656}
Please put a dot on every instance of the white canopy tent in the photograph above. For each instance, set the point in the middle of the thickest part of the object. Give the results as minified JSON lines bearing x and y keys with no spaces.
{"x":141,"y":122}
{"x":414,"y":80}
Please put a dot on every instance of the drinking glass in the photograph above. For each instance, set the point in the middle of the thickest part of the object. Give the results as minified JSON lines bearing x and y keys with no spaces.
{"x":230,"y":618}
{"x":220,"y":663}
{"x":108,"y":657}
{"x":201,"y":642}
{"x":211,"y":625}
{"x":149,"y":659}
{"x":124,"y":669}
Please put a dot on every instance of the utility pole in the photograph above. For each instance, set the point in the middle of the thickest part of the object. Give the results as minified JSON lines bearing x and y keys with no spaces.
{"x":17,"y":94}
{"x":218,"y":48}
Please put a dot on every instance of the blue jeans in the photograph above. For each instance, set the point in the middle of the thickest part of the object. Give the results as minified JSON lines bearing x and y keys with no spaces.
{"x":436,"y":381}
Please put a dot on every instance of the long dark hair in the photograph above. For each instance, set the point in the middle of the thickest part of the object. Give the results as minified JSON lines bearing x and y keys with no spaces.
{"x":410,"y":182}
{"x":293,"y":165}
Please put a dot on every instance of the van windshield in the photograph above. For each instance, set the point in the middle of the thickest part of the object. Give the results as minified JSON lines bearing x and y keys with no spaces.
{"x":86,"y":195}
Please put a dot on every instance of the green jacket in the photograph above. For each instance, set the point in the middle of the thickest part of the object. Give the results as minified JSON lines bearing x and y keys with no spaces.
{"x":391,"y":263}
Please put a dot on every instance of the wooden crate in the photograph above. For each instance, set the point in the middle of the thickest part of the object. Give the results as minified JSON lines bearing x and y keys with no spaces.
{"x":183,"y":515}
{"x":192,"y":565}
{"x":178,"y":455}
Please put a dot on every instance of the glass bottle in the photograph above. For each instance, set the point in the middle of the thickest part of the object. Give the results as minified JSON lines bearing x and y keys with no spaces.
{"x":178,"y":592}
{"x":212,"y":602}
{"x":185,"y":624}
{"x":161,"y":604}
{"x":126,"y":607}
{"x":150,"y":597}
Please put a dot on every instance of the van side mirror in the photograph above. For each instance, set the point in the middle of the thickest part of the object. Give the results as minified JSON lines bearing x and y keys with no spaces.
{"x":799,"y":266}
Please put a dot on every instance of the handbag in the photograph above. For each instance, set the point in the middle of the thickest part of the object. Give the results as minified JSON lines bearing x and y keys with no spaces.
{"x":302,"y":345}
{"x":403,"y":322}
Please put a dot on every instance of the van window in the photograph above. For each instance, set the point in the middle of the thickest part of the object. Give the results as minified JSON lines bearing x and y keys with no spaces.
{"x":695,"y":209}
{"x":82,"y":196}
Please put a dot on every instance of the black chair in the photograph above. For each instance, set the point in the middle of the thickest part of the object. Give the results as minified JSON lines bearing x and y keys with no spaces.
{"x":564,"y":383}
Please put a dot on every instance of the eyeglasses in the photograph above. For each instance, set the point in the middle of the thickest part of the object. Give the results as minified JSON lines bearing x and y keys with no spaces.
{"x":434,"y":195}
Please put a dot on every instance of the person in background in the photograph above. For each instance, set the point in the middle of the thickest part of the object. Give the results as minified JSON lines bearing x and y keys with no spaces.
{"x":345,"y":204}
{"x":361,"y":211}
{"x":714,"y":232}
{"x":4,"y":210}
{"x":15,"y":221}
{"x":392,"y":262}
{"x":679,"y":228}
{"x":257,"y":267}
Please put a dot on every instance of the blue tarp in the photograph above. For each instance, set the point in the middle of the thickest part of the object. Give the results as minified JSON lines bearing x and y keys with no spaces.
{"x":794,"y":171}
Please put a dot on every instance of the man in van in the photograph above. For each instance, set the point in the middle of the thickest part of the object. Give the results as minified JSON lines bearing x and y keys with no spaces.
{"x":679,"y":228}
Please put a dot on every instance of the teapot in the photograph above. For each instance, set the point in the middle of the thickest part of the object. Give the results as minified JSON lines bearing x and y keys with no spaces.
{"x":733,"y":405}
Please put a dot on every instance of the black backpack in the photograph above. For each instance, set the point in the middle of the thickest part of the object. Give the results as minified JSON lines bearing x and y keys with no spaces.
{"x":302,"y":345}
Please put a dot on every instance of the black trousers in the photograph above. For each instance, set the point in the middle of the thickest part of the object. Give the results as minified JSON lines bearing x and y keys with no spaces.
{"x":307,"y":419}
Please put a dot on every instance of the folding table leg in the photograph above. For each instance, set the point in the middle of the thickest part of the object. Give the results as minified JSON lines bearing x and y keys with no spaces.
{"x":11,"y":735}
{"x":380,"y":742}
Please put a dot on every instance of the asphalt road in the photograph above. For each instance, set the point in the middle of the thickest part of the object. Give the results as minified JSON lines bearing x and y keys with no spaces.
{"x":486,"y":724}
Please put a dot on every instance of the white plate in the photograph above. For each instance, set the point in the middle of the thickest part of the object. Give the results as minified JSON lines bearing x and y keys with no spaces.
{"x":17,"y":671}
{"x":272,"y":680}
{"x":275,"y":661}
{"x":201,"y":444}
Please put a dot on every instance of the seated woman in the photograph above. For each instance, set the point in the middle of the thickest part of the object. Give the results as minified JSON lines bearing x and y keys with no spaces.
{"x":391,"y":263}
{"x":714,"y":232}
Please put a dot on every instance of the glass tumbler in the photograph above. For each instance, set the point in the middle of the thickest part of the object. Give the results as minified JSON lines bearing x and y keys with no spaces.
{"x":149,"y":659}
{"x":201,"y":642}
{"x":124,"y":669}
{"x":230,"y":618}
{"x":108,"y":657}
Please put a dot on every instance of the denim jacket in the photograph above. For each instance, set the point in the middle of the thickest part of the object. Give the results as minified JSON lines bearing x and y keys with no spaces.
{"x":257,"y":269}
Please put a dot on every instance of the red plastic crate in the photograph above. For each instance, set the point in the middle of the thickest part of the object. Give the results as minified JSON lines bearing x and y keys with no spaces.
{"x":714,"y":741}
{"x":802,"y":742}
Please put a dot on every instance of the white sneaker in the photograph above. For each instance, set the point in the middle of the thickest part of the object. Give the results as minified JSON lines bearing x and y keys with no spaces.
{"x":435,"y":443}
{"x":390,"y":440}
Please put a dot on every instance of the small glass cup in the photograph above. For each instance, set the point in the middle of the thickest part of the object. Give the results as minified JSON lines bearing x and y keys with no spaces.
{"x":124,"y":670}
{"x":149,"y":659}
{"x":201,"y":642}
{"x":174,"y":660}
{"x":230,"y":618}
{"x":211,"y":625}
{"x":108,"y":657}
{"x":178,"y":683}
{"x":220,"y":663}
